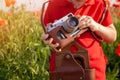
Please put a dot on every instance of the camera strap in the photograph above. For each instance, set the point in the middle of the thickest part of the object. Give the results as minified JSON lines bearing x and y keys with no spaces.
{"x":42,"y":15}
{"x":106,"y":2}
{"x":105,"y":10}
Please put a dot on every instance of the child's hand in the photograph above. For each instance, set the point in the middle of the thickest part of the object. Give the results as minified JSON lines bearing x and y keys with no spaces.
{"x":49,"y":41}
{"x":88,"y":22}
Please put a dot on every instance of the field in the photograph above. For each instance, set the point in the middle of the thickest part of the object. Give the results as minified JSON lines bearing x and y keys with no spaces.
{"x":23,"y":55}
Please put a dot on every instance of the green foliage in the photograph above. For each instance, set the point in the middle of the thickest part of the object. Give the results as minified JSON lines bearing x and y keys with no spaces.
{"x":112,"y":74}
{"x":23,"y":55}
{"x":113,"y":66}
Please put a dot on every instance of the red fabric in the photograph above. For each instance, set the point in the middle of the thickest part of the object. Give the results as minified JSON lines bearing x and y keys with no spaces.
{"x":94,"y":8}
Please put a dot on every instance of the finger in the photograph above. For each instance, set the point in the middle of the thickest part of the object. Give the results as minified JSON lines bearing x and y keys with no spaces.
{"x":82,"y":22}
{"x":85,"y":22}
{"x":82,"y":18}
{"x":55,"y":45}
{"x":82,"y":25}
{"x":44,"y":36}
{"x":87,"y":19}
{"x":48,"y":41}
{"x":57,"y":50}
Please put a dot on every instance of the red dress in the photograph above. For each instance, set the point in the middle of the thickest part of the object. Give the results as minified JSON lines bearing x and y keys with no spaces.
{"x":94,"y":8}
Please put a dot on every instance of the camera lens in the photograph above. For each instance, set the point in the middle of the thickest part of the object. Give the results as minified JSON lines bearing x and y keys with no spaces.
{"x":73,"y":22}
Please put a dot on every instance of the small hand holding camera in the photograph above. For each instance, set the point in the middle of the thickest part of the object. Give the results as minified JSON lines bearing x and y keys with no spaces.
{"x":64,"y":30}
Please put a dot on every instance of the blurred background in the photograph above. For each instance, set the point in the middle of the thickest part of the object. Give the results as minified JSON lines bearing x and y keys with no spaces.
{"x":23,"y":55}
{"x":30,"y":4}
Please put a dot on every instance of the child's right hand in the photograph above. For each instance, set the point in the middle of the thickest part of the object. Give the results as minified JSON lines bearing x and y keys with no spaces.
{"x":49,"y":41}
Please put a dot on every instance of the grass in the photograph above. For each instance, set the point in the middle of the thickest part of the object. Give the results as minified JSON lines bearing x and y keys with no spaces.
{"x":23,"y":55}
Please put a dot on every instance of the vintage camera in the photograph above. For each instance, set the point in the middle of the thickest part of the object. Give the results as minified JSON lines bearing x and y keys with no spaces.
{"x":64,"y":30}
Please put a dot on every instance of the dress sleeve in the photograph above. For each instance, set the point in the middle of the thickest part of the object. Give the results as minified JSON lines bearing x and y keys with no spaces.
{"x":108,"y":19}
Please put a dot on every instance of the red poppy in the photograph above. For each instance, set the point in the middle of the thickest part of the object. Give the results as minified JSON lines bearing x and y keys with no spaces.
{"x":3,"y":24}
{"x":9,"y":13}
{"x":118,"y":14}
{"x":118,"y":46}
{"x":13,"y":2}
{"x":117,"y":52}
{"x":9,"y":2}
{"x":118,"y":0}
{"x":116,"y":5}
{"x":3,"y":21}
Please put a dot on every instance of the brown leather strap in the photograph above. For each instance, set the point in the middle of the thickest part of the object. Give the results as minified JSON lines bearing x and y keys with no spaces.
{"x":98,"y":38}
{"x":42,"y":15}
{"x":104,"y":12}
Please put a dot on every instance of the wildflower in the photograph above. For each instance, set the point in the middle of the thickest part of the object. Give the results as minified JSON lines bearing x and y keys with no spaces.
{"x":10,"y":2}
{"x":3,"y":21}
{"x":116,"y":5}
{"x":13,"y":2}
{"x":9,"y":13}
{"x":118,"y":14}
{"x":118,"y":46}
{"x":3,"y":24}
{"x":118,"y":0}
{"x":118,"y":50}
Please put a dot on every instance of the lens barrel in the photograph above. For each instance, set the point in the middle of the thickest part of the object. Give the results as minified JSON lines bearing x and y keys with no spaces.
{"x":71,"y":24}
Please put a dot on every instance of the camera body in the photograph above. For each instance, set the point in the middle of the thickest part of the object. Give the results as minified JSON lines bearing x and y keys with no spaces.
{"x":64,"y":30}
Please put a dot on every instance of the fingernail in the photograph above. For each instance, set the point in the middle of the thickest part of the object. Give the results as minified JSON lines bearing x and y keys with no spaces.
{"x":57,"y":44}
